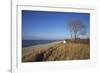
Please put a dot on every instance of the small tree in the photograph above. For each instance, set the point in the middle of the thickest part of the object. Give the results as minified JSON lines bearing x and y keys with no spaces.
{"x":76,"y":28}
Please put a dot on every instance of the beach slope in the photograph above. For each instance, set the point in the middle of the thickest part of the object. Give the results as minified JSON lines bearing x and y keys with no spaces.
{"x":57,"y":51}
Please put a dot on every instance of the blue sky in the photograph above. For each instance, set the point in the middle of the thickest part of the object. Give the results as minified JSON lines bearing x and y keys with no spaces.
{"x":44,"y":25}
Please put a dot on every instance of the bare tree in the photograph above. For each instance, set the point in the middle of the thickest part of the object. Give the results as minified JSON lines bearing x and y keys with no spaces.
{"x":76,"y":28}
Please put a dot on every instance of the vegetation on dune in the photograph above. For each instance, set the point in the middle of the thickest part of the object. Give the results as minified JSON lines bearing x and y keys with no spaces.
{"x":76,"y":28}
{"x":71,"y":50}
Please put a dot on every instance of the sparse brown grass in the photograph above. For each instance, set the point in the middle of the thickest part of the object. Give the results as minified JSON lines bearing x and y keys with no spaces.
{"x":70,"y":51}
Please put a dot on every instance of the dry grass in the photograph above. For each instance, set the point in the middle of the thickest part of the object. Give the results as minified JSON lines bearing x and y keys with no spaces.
{"x":69,"y":51}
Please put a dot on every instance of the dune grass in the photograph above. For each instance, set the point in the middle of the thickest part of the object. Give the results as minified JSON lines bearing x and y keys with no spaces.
{"x":78,"y":50}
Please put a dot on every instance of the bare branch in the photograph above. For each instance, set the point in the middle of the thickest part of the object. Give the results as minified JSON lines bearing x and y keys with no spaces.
{"x":76,"y":28}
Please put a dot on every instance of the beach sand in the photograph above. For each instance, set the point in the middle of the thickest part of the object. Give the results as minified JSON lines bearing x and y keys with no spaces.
{"x":57,"y":51}
{"x":42,"y":46}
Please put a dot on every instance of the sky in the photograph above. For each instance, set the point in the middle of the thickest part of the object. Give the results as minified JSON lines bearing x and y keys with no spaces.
{"x":46,"y":25}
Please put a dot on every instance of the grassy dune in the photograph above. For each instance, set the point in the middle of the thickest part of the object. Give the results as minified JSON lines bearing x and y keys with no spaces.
{"x":71,"y":50}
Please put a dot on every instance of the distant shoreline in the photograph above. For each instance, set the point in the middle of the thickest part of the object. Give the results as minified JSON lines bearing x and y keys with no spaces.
{"x":28,"y":43}
{"x":47,"y":45}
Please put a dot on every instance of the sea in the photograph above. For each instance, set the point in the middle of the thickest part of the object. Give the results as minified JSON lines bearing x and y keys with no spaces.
{"x":27,"y":43}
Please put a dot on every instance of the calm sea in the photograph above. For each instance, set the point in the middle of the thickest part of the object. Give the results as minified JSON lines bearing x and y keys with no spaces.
{"x":26,"y":43}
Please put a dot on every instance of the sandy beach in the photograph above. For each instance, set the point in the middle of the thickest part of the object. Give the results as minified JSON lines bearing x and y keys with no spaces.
{"x":42,"y":46}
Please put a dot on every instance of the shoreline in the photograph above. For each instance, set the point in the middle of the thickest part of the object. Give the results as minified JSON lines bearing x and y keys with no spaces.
{"x":42,"y":46}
